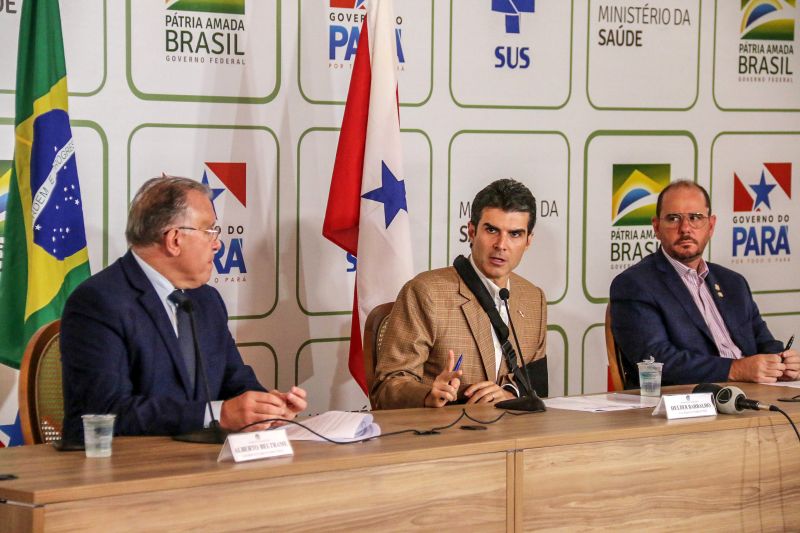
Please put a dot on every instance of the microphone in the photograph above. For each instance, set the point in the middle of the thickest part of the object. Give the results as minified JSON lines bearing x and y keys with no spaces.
{"x":214,"y":433}
{"x":732,"y":400}
{"x":526,"y":383}
{"x":528,"y":400}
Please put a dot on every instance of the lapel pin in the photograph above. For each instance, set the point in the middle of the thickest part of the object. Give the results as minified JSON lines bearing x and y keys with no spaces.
{"x":521,"y":313}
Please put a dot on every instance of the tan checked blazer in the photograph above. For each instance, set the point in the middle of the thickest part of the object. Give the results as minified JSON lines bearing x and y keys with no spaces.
{"x":436,"y":312}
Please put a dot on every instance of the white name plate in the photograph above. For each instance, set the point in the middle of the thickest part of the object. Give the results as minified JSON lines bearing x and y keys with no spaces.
{"x":255,"y":445}
{"x":685,"y":406}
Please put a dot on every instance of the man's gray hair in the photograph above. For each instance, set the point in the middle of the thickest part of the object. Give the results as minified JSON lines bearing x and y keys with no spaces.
{"x":159,"y":203}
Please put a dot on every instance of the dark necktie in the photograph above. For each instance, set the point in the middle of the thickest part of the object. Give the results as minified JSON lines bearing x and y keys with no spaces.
{"x":185,"y":336}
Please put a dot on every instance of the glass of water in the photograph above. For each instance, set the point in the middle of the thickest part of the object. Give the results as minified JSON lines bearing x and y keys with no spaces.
{"x":650,"y":377}
{"x":98,"y":432}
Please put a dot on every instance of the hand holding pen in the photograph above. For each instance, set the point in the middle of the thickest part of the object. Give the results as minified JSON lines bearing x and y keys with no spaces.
{"x":792,"y":361}
{"x":445,"y":387}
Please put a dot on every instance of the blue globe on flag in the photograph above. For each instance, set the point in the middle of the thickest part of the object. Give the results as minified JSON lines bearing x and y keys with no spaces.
{"x":56,"y":210}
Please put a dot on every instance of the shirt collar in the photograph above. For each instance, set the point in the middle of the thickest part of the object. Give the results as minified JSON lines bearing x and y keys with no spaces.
{"x":683,"y":270}
{"x":161,"y":284}
{"x":494,"y":290}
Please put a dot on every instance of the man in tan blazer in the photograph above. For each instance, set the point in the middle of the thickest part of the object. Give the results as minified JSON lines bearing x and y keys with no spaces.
{"x":436,"y":317}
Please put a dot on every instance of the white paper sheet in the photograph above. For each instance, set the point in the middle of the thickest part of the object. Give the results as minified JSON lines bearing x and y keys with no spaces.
{"x":600,"y":403}
{"x":335,"y":425}
{"x":791,"y":384}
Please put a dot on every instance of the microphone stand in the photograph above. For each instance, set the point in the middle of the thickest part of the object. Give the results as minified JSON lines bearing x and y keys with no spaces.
{"x":529,"y":401}
{"x":214,"y":433}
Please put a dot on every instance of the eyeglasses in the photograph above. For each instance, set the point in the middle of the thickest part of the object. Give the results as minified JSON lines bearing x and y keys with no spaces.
{"x":675,"y":220}
{"x":212,"y":233}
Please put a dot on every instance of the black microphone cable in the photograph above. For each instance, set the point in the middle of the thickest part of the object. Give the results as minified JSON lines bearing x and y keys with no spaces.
{"x":213,"y":434}
{"x":735,"y":401}
{"x":431,"y":431}
{"x":188,"y":307}
{"x":781,"y":411}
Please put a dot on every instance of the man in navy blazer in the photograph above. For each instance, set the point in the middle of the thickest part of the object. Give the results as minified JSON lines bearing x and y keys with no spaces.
{"x":697,"y":318}
{"x":121,"y":352}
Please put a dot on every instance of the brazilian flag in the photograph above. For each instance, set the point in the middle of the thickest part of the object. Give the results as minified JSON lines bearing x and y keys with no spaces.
{"x":5,"y":179}
{"x":44,"y":248}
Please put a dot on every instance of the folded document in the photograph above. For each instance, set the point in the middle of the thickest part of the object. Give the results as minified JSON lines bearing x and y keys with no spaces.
{"x":336,"y":425}
{"x":599,"y":403}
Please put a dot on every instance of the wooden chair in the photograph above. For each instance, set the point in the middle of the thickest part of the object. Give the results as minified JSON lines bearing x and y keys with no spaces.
{"x":41,"y":400}
{"x":373,"y":338}
{"x":615,"y":369}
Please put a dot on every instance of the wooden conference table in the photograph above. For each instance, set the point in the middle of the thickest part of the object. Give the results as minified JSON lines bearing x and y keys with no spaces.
{"x":554,"y":470}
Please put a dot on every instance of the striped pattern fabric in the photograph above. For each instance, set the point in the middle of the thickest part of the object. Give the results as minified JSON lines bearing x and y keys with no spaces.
{"x":695,"y":281}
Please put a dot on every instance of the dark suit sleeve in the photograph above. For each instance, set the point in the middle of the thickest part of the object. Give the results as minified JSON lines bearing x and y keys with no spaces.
{"x":642,"y":327}
{"x":99,"y":356}
{"x":532,"y":330}
{"x":765,"y":342}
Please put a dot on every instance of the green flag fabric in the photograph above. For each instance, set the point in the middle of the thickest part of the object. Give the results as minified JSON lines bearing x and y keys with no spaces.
{"x":44,"y":246}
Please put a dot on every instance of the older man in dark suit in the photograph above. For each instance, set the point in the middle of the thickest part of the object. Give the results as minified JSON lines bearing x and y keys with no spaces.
{"x":697,"y":318}
{"x":126,"y":347}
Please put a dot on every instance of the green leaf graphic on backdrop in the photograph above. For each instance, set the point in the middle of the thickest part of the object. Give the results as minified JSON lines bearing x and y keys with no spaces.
{"x":634,"y":192}
{"x":232,"y":7}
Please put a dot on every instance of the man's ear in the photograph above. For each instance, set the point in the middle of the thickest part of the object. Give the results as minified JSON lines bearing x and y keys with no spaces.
{"x":171,"y":242}
{"x":471,"y":232}
{"x":712,"y":222}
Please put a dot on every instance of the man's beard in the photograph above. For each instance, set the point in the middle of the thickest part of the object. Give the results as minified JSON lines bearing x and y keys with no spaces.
{"x":686,"y":255}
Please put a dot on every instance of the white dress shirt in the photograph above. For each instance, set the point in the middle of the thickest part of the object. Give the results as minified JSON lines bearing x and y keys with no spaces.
{"x":494,"y":292}
{"x":695,"y":281}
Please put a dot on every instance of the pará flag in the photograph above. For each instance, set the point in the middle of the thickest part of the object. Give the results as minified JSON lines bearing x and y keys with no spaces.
{"x":44,"y":248}
{"x":367,"y":212}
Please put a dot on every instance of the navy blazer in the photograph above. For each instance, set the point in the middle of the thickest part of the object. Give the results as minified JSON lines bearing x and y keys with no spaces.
{"x":653,"y":313}
{"x":120,"y":354}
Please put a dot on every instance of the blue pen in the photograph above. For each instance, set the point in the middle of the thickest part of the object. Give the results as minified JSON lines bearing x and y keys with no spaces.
{"x":458,"y":363}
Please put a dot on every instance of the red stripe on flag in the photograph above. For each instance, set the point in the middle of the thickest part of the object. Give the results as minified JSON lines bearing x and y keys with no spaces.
{"x":369,"y":147}
{"x":344,"y":198}
{"x":356,"y":361}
